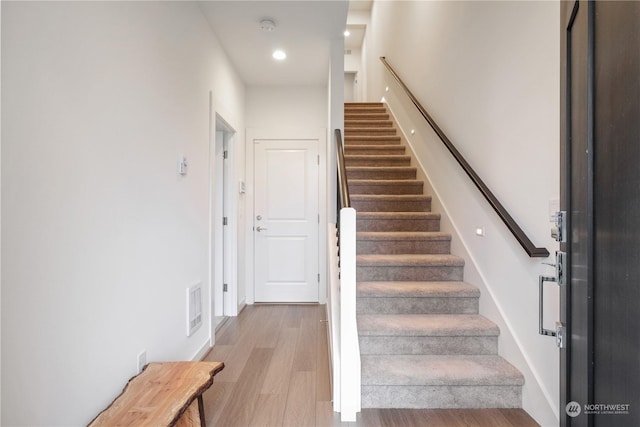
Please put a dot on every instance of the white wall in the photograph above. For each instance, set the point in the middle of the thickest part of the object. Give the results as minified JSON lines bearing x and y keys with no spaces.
{"x":100,"y":235}
{"x":353,"y":64}
{"x":488,"y":72}
{"x":353,"y":61}
{"x":356,"y":61}
{"x":273,"y":107}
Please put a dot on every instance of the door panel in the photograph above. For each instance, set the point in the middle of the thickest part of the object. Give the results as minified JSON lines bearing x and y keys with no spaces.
{"x":600,"y":184}
{"x":286,"y":223}
{"x":617,"y":210}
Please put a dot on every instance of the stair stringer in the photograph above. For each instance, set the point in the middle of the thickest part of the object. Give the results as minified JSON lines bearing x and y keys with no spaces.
{"x":537,"y":398}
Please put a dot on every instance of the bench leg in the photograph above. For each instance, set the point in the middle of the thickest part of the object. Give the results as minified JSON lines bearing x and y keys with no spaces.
{"x":203,"y":422}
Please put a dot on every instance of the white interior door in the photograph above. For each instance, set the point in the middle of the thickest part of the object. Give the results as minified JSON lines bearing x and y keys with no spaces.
{"x":286,"y":221}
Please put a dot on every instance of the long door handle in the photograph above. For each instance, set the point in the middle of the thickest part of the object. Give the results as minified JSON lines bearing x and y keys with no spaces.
{"x":561,"y":331}
{"x":259,"y":229}
{"x":541,"y":329}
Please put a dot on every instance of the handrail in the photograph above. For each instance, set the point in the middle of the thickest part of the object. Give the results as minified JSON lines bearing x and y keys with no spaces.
{"x":511,"y":224}
{"x":343,"y":188}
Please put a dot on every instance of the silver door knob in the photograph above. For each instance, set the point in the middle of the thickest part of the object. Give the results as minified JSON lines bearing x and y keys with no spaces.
{"x":259,"y":229}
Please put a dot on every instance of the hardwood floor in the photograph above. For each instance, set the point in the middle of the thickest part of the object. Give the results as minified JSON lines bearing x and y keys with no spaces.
{"x":277,"y":374}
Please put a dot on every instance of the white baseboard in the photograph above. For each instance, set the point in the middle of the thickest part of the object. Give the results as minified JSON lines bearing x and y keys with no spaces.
{"x":204,"y":350}
{"x":242,"y":305}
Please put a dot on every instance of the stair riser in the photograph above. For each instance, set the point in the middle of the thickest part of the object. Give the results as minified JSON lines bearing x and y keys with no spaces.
{"x":440,"y":305}
{"x":365,"y":110}
{"x":408,"y":273}
{"x":370,"y":131}
{"x":377,"y":161}
{"x":445,"y":397}
{"x":399,"y":173}
{"x":398,"y":224}
{"x":368,"y":123}
{"x":399,"y":188}
{"x":378,"y":151}
{"x":429,"y":345}
{"x":403,"y":247}
{"x":350,"y":141}
{"x":365,"y":116}
{"x":391,"y":205}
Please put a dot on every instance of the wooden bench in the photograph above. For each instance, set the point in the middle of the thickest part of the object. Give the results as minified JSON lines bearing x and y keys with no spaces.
{"x":163,"y":394}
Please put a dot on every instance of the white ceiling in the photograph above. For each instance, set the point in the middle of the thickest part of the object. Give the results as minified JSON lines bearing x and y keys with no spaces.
{"x":304,"y":29}
{"x":361,"y":5}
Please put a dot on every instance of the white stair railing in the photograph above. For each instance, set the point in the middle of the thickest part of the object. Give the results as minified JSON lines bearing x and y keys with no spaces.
{"x":343,"y":328}
{"x":350,"y":393}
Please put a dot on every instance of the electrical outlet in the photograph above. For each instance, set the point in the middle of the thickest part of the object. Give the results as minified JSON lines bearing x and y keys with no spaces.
{"x":142,"y":360}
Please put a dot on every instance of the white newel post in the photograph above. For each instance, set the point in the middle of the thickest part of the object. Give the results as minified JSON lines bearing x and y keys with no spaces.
{"x":350,"y":349}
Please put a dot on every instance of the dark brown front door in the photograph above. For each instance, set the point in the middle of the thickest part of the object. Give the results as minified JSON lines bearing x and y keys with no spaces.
{"x":600,"y":191}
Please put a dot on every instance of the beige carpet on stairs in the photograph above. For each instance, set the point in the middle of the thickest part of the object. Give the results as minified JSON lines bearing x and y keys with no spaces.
{"x":422,"y":342}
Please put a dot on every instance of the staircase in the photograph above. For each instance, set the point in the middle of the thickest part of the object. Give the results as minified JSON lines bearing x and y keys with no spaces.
{"x":422,"y":342}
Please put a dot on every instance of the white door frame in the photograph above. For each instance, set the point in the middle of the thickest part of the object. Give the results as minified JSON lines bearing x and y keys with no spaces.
{"x":222,"y":303}
{"x":287,"y":134}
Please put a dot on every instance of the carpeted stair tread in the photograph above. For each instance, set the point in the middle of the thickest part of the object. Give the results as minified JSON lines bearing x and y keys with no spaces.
{"x":438,"y":370}
{"x":408,"y":267}
{"x":364,"y":109}
{"x":386,"y":186}
{"x":420,"y":325}
{"x":363,"y":104}
{"x":398,"y":197}
{"x":416,"y":290}
{"x":385,"y":160}
{"x":402,"y":235}
{"x":364,"y":123}
{"x":371,"y":140}
{"x":375,"y":150}
{"x":381,"y":172}
{"x":409,"y":260}
{"x":397,"y":221}
{"x":397,"y":215}
{"x":390,"y":182}
{"x":416,"y":297}
{"x":354,"y":108}
{"x":391,"y":202}
{"x":403,"y":242}
{"x":369,"y":131}
{"x":369,"y":115}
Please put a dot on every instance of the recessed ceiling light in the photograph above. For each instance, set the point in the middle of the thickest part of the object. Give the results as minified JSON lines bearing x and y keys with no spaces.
{"x":279,"y":55}
{"x":347,"y":33}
